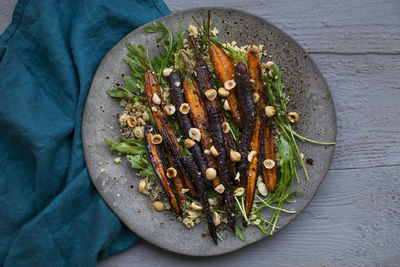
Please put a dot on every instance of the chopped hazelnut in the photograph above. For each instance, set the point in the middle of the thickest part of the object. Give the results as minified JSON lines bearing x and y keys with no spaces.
{"x":239,"y":192}
{"x":270,"y":111}
{"x":225,"y":127}
{"x":195,"y":134}
{"x":158,"y":205}
{"x":270,"y":65}
{"x":211,"y":174}
{"x":166,"y":71}
{"x":269,"y":163}
{"x":169,"y":109}
{"x":171,"y":172}
{"x":220,"y":188}
{"x":196,"y":206}
{"x":229,"y":85}
{"x":156,"y":99}
{"x":226,"y":105}
{"x":189,"y":143}
{"x":156,"y":139}
{"x":184,"y":108}
{"x":214,"y":151}
{"x":211,"y":94}
{"x":235,"y":156}
{"x":131,"y":121}
{"x":223,"y":92}
{"x":293,"y":117}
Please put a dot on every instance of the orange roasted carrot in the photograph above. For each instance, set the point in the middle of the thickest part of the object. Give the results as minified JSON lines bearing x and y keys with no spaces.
{"x":157,"y":162}
{"x":269,"y":175}
{"x":225,"y":72}
{"x":198,"y":114}
{"x":154,"y":99}
{"x":252,"y":173}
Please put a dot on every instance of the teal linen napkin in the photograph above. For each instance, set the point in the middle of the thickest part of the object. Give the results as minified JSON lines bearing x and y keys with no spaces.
{"x":50,"y":213}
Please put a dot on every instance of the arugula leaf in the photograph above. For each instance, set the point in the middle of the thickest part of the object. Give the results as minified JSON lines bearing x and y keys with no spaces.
{"x":130,"y":147}
{"x":117,"y":93}
{"x":239,"y":233}
{"x":157,"y":27}
{"x":140,"y":163}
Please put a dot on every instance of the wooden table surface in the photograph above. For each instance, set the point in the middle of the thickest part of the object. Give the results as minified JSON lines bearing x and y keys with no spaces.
{"x":354,"y":218}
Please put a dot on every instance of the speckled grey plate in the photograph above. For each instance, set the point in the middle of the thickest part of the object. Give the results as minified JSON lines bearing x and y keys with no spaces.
{"x":118,"y":184}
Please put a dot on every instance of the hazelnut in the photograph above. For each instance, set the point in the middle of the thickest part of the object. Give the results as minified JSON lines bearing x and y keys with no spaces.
{"x":229,"y":85}
{"x":214,"y":151}
{"x":142,"y":186}
{"x":154,"y":109}
{"x":256,"y":98}
{"x":195,"y":134}
{"x":216,"y":218}
{"x":196,"y":206}
{"x":239,"y":192}
{"x":156,"y":99}
{"x":184,"y":108}
{"x":189,"y":143}
{"x":226,"y":127}
{"x":235,"y":156}
{"x":166,"y":71}
{"x":270,"y":74}
{"x":269,"y":164}
{"x":184,"y":190}
{"x":237,"y":177}
{"x":169,"y":109}
{"x":226,"y":105}
{"x":251,"y":155}
{"x":270,"y":65}
{"x":158,"y":205}
{"x":220,"y":188}
{"x":293,"y":117}
{"x":211,"y":94}
{"x":177,"y":84}
{"x":171,"y":172}
{"x":131,"y":121}
{"x":262,"y":189}
{"x":156,"y":139}
{"x":270,"y":111}
{"x":223,"y":92}
{"x":207,"y":152}
{"x":211,"y":174}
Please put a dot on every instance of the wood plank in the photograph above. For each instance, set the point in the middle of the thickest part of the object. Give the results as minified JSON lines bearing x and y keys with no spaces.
{"x":353,"y":220}
{"x":334,"y":26}
{"x":366,"y":95}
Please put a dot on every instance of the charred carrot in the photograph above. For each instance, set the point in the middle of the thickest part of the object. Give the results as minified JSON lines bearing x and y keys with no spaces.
{"x":249,"y":118}
{"x":225,"y":72}
{"x":158,"y":164}
{"x":269,"y":175}
{"x":255,"y":158}
{"x":205,"y":83}
{"x":154,"y":99}
{"x":191,"y":167}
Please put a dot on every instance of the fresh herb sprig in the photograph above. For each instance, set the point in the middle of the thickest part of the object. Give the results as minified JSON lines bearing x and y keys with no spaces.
{"x":171,"y":43}
{"x":136,"y":154}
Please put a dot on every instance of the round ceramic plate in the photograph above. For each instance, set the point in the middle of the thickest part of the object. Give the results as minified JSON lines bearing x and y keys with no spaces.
{"x":118,"y":184}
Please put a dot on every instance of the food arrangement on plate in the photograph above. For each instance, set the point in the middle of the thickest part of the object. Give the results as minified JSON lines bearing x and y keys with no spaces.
{"x":207,"y":125}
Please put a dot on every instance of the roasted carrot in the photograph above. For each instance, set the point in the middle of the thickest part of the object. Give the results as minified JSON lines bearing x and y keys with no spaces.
{"x":215,"y":129}
{"x":191,"y":168}
{"x":269,"y":175}
{"x":205,"y":82}
{"x":198,"y":114}
{"x":255,"y":146}
{"x":158,"y":164}
{"x":249,"y":118}
{"x":225,"y":71}
{"x":153,"y":92}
